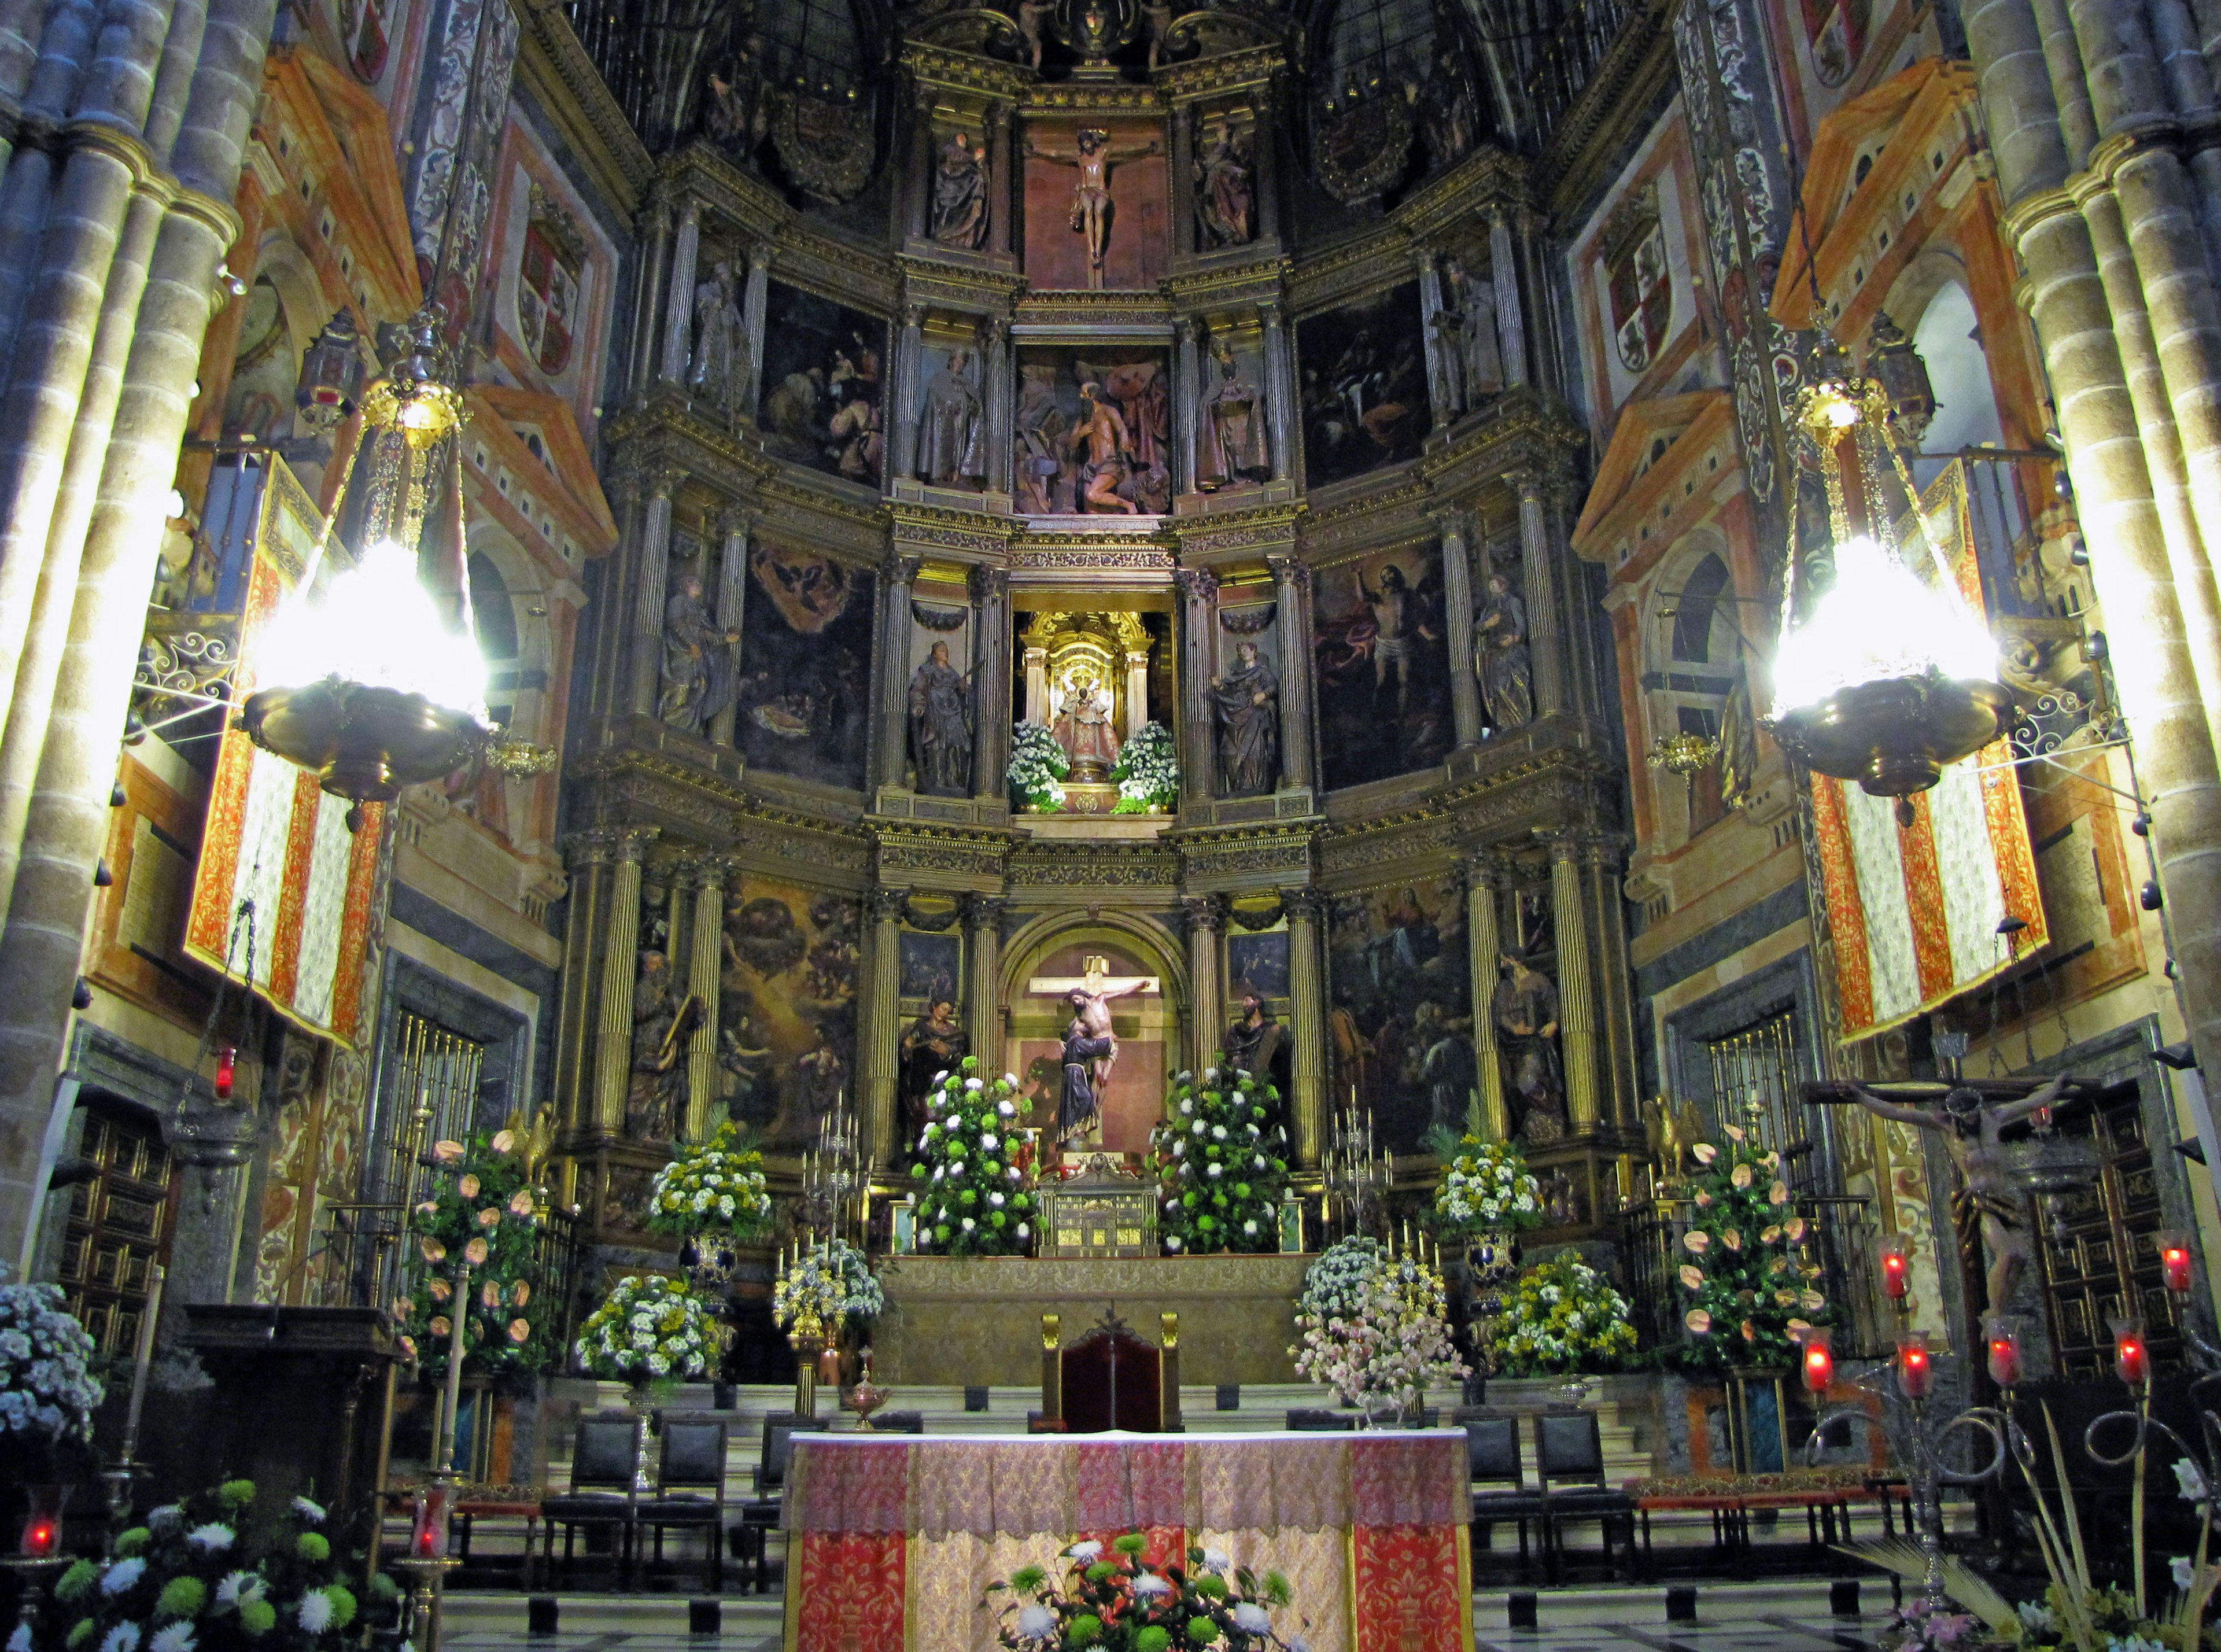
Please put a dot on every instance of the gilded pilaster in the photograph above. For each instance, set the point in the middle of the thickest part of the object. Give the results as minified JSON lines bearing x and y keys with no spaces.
{"x":588,"y":856}
{"x":1205,"y":916}
{"x":1484,"y":946}
{"x":650,"y":592}
{"x":678,"y":306}
{"x":1306,"y":908}
{"x":983,"y":1010}
{"x":1198,"y":617}
{"x":707,"y":877}
{"x":1291,"y":582}
{"x":991,"y":676}
{"x":620,"y":962}
{"x":1457,"y":599}
{"x":1577,"y":1024}
{"x":1545,"y":615}
{"x":882,"y":981}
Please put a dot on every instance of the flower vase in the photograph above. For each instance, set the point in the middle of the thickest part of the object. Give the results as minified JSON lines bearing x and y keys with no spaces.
{"x":640,"y":1396}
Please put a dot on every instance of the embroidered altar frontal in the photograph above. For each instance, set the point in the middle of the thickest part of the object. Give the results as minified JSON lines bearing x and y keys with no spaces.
{"x":959,"y":1321}
{"x":894,"y":1539}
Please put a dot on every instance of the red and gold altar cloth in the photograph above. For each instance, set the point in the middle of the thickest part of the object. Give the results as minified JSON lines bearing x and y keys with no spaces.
{"x":894,"y":1538}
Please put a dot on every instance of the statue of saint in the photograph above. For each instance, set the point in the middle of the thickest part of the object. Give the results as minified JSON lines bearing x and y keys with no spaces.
{"x":1526,"y":1009}
{"x":1083,"y":728}
{"x":1247,"y":701}
{"x":1229,"y":445}
{"x":1226,"y":193}
{"x":949,"y":449}
{"x":940,"y":726}
{"x":1101,"y":433}
{"x":1501,"y":657}
{"x":1473,"y":296}
{"x":1257,"y":1044}
{"x":1971,"y":1133}
{"x":1446,"y":111}
{"x":959,"y":195}
{"x":652,"y":1099}
{"x":701,"y":662}
{"x":735,"y":112}
{"x":1090,"y":196}
{"x":719,"y":367}
{"x":934,"y":1044}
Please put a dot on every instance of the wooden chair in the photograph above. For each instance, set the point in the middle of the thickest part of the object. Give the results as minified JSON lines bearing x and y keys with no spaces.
{"x":1303,"y":1419}
{"x":759,"y":1514}
{"x":601,"y":1495}
{"x":1569,"y":1467}
{"x":689,"y":1491}
{"x":1111,"y":1379}
{"x":1500,"y":1479}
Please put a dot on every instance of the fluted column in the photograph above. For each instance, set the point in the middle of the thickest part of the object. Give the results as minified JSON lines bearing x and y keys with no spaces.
{"x":1291,"y":584}
{"x":1445,"y":367}
{"x":1577,"y":1022}
{"x":1183,"y":181}
{"x":1546,"y":635}
{"x":1265,"y":148}
{"x":983,"y":1009}
{"x":1000,"y":391}
{"x":991,"y":681}
{"x":620,"y":967}
{"x":754,"y":300}
{"x":902,"y":392}
{"x":1280,"y":394}
{"x":1457,"y":598}
{"x":1206,"y":920}
{"x":1185,"y":381}
{"x":1199,"y":590}
{"x":882,"y":974}
{"x":1306,"y":909}
{"x":1000,"y":163}
{"x":890,"y":679}
{"x":1483,"y":947}
{"x":732,"y":601}
{"x":588,"y":858}
{"x":1601,"y":867}
{"x":648,"y":297}
{"x":1503,"y":274}
{"x":917,"y":185}
{"x":679,"y":307}
{"x":704,"y":958}
{"x":651,"y":589}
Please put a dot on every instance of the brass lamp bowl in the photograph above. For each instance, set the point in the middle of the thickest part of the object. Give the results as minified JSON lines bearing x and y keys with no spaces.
{"x":360,"y":741}
{"x":1893,"y":736}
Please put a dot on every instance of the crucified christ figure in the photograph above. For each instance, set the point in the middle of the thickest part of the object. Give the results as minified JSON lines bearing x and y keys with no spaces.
{"x":1091,"y":197}
{"x":1089,"y":1039}
{"x":1970,"y":1132}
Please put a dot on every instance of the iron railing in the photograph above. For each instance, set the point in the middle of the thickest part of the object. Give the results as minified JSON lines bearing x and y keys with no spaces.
{"x":362,"y":1258}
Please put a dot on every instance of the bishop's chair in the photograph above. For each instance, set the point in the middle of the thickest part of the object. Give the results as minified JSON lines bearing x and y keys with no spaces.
{"x":1111,"y":1379}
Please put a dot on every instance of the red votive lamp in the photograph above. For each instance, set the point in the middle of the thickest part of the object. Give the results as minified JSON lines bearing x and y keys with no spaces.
{"x":1896,"y":1268}
{"x":2174,"y":1261}
{"x":1916,"y":1373}
{"x":428,"y":1530}
{"x":41,"y":1537}
{"x":226,"y":1069}
{"x":1819,"y":1359}
{"x":2131,"y":1354}
{"x":2001,"y":1335}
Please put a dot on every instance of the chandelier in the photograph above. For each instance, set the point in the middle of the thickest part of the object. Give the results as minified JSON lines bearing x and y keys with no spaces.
{"x":1887,"y":676}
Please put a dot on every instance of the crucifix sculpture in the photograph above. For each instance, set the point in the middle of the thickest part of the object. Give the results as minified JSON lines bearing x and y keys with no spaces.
{"x":1090,"y":1048}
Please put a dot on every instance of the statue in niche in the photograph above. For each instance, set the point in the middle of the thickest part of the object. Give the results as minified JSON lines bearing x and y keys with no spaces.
{"x":1101,"y":433}
{"x":719,"y":347}
{"x":1257,"y":1044}
{"x":933,"y":1046}
{"x":1230,"y":430}
{"x":659,"y":1026}
{"x":1472,"y":299}
{"x":1446,"y":117}
{"x":1033,"y":28}
{"x":701,"y":663}
{"x":1526,"y":1010}
{"x":1248,"y":703}
{"x":1225,"y":191}
{"x":940,"y":726}
{"x":1083,"y":728}
{"x":1091,"y":196}
{"x":1501,"y":658}
{"x":1037,"y":467}
{"x":949,"y":448}
{"x":959,"y":195}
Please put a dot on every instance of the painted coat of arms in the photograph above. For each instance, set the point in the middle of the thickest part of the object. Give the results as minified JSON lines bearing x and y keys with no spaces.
{"x":369,"y":27}
{"x":1641,"y":285}
{"x":547,"y":284}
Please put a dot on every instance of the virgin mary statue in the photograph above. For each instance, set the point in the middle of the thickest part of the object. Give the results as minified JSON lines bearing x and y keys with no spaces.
{"x":1083,"y":728}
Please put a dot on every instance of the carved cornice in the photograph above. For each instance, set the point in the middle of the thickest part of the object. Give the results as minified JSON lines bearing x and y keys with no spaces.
{"x":967,"y":533}
{"x":750,"y":207}
{"x":1485,"y":181}
{"x":1370,"y":264}
{"x":1257,"y":532}
{"x":554,"y":67}
{"x":1111,"y":98}
{"x":719,"y":814}
{"x":1255,"y":66}
{"x":967,"y":289}
{"x":1082,"y":865}
{"x":1226,"y":288}
{"x":937,"y":67}
{"x":940,"y":857}
{"x":835,"y":269}
{"x":1246,"y":856}
{"x":1066,"y":307}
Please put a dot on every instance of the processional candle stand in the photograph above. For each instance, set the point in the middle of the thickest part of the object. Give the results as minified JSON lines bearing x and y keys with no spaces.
{"x":427,"y":1561}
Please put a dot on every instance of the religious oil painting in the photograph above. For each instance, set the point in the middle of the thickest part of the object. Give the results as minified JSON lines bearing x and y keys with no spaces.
{"x":1097,"y":204}
{"x":806,"y":680}
{"x":1093,"y":431}
{"x":823,"y":368}
{"x":1364,"y":386}
{"x":786,"y":1008}
{"x":931,"y":967}
{"x":1380,"y":640}
{"x":1399,"y":1027}
{"x":1257,"y":964}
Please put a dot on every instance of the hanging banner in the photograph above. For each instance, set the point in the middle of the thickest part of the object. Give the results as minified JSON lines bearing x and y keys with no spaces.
{"x":273,"y":837}
{"x":1916,"y":909}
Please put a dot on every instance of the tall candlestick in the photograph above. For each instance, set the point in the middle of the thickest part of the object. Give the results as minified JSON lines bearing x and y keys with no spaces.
{"x":143,"y":1358}
{"x":446,"y":1461}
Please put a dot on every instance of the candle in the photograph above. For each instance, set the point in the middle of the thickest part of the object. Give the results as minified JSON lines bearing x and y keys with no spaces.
{"x":1896,"y":1268}
{"x":2002,"y":1335}
{"x":2131,"y":1358}
{"x":446,"y":1457}
{"x":427,"y":1528}
{"x":1915,"y":1375}
{"x":42,"y":1535}
{"x":2174,"y":1261}
{"x":226,"y":1069}
{"x":1819,"y":1359}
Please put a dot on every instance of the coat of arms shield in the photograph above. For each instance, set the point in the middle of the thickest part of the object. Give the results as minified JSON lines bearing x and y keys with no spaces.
{"x":1641,"y":283}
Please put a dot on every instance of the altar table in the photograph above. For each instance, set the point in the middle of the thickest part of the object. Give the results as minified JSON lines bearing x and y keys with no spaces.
{"x":893,"y":1539}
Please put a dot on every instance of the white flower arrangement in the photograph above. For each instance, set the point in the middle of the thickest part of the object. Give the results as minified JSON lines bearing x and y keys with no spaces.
{"x":647,"y":1328}
{"x":1148,"y":771}
{"x":826,"y":1285}
{"x":47,"y":1386}
{"x":713,"y":1186}
{"x":1037,"y":763}
{"x":1486,"y":1189}
{"x":1376,"y":1328}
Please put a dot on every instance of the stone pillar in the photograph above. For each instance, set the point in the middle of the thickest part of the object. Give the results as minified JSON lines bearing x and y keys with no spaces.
{"x":1281,"y":394}
{"x":1576,"y":1024}
{"x":648,"y":297}
{"x":1206,"y":921}
{"x":1000,"y":391}
{"x":1198,"y":617}
{"x":983,"y":1008}
{"x":704,"y":957}
{"x":1183,"y":180}
{"x":902,"y":392}
{"x":619,"y":969}
{"x":877,"y":1033}
{"x":678,"y":308}
{"x":1291,"y":584}
{"x":999,"y":163}
{"x":1503,"y":273}
{"x":991,"y":681}
{"x":651,"y":591}
{"x":1186,"y":378}
{"x":1306,"y":910}
{"x":753,"y":300}
{"x":1483,"y":949}
{"x":732,"y":601}
{"x":1544,"y":617}
{"x":1445,"y":367}
{"x":891,"y":672}
{"x":1457,"y":599}
{"x":918,"y":187}
{"x":589,"y":857}
{"x":1266,"y":148}
{"x":1600,"y":870}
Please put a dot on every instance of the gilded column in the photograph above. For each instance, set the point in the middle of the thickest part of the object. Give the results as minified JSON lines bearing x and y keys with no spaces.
{"x":732,"y":600}
{"x":704,"y":956}
{"x":1577,"y":1025}
{"x":1198,"y":590}
{"x":983,"y":1008}
{"x":1183,"y":179}
{"x":1503,"y":275}
{"x":1185,"y":381}
{"x":1545,"y":630}
{"x":1307,"y":1012}
{"x":901,"y":393}
{"x":1457,"y":598}
{"x":892,"y":680}
{"x":1291,"y":584}
{"x":875,"y":1104}
{"x":1483,"y":949}
{"x":1206,"y":919}
{"x":588,"y":856}
{"x":620,"y":966}
{"x":999,"y":179}
{"x":991,"y":681}
{"x":678,"y":308}
{"x":1265,"y":146}
{"x":651,"y":593}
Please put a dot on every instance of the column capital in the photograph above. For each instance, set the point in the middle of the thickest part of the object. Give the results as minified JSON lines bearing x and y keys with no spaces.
{"x":633,"y":840}
{"x":1196,"y":585}
{"x":887,"y":905}
{"x":1287,"y":567}
{"x":1190,"y":328}
{"x":706,"y":872}
{"x":691,"y":212}
{"x":903,"y":566}
{"x":1203,"y":913}
{"x":1305,"y":902}
{"x":1453,"y":520}
{"x":914,"y":316}
{"x":983,"y":912}
{"x":1268,"y":311}
{"x":1484,"y":869}
{"x":657,"y":212}
{"x":595,"y":848}
{"x":987,"y":584}
{"x":1530,"y":481}
{"x":663,"y":478}
{"x":1426,"y":260}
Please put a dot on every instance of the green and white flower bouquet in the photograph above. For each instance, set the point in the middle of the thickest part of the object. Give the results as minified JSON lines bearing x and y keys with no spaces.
{"x":648,"y":1329}
{"x":974,"y":1168}
{"x":1037,"y":763}
{"x":1148,"y":771}
{"x":1115,"y":1600}
{"x":1562,"y":1315}
{"x":714,"y":1187}
{"x":827,"y":1286}
{"x":1486,"y":1189}
{"x":1222,"y":1163}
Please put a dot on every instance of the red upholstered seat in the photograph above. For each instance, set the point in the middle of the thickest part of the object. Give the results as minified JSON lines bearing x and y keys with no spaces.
{"x":1113,"y":1379}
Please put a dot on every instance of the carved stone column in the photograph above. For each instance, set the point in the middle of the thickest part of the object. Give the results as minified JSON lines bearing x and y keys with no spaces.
{"x":1292,"y":583}
{"x":754,"y":300}
{"x":704,"y":960}
{"x":587,"y":857}
{"x":679,"y":309}
{"x":1206,"y":920}
{"x":1000,"y":392}
{"x":1577,"y":1022}
{"x":1185,"y":381}
{"x":877,"y":1033}
{"x":1457,"y":598}
{"x":918,"y":187}
{"x":1306,"y":910}
{"x":999,"y":164}
{"x":1265,"y":146}
{"x":1503,"y":274}
{"x":991,"y":681}
{"x":1545,"y":628}
{"x":1198,"y":590}
{"x":620,"y":966}
{"x":648,"y":297}
{"x":1445,"y":371}
{"x":610,"y":690}
{"x":1183,"y":180}
{"x":901,"y":392}
{"x":983,"y":1009}
{"x":1483,"y":946}
{"x":1601,"y":867}
{"x":891,"y":681}
{"x":652,"y":589}
{"x":732,"y":599}
{"x":1281,"y":394}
